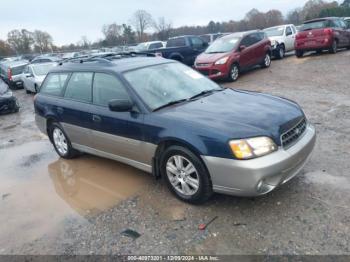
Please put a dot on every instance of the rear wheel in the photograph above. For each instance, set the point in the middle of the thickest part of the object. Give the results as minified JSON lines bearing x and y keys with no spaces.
{"x":234,"y":73}
{"x":267,"y":61}
{"x":27,"y":91}
{"x":299,"y":53}
{"x":333,"y":49}
{"x":61,"y":142}
{"x":185,"y":175}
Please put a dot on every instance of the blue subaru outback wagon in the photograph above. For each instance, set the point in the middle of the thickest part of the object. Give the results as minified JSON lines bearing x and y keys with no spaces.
{"x":164,"y":118}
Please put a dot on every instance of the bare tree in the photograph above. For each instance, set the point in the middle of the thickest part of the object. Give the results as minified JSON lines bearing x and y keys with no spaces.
{"x":20,"y":41}
{"x":42,"y":41}
{"x":113,"y":34}
{"x":141,"y":20}
{"x":255,"y":19}
{"x":273,"y":17}
{"x":163,"y":28}
{"x":85,"y":42}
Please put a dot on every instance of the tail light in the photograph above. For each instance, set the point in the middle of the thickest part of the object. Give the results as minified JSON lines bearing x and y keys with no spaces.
{"x":9,"y":74}
{"x":328,"y":31}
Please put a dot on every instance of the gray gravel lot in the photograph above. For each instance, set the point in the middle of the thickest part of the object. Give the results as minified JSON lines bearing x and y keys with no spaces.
{"x":53,"y":206}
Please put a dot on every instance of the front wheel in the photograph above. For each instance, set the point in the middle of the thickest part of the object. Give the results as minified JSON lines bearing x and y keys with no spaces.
{"x":299,"y":53}
{"x":185,"y":175}
{"x":267,"y":61}
{"x":61,"y":142}
{"x":234,"y":73}
{"x":334,"y":47}
{"x":281,"y":52}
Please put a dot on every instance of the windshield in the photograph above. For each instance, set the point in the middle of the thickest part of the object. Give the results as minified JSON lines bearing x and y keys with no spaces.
{"x":314,"y":25}
{"x":223,"y":45}
{"x":42,"y":70}
{"x":274,"y":31}
{"x":161,"y":84}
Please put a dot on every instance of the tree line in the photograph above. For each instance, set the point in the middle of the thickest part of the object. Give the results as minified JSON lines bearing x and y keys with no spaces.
{"x":138,"y":27}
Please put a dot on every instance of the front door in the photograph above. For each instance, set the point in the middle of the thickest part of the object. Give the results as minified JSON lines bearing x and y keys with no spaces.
{"x":117,"y":133}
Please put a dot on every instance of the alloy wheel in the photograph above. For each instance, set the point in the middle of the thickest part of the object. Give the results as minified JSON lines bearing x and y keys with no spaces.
{"x":267,"y":60}
{"x":182,"y":175}
{"x":234,"y":73}
{"x":60,"y":141}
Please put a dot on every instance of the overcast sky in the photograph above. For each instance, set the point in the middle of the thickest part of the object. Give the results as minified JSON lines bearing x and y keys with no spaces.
{"x":68,"y":20}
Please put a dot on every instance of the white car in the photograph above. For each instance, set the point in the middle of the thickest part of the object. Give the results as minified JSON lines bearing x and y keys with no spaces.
{"x":282,"y":39}
{"x":146,"y":46}
{"x":34,"y":74}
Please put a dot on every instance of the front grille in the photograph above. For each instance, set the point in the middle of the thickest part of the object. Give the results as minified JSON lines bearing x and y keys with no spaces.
{"x":204,"y":72}
{"x":292,"y":135}
{"x":203,"y":64}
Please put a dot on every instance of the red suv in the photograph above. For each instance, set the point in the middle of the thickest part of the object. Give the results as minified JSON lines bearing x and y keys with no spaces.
{"x":226,"y":57}
{"x":322,"y":34}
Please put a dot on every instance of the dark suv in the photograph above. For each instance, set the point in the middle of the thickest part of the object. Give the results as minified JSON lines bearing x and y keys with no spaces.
{"x":165,"y":118}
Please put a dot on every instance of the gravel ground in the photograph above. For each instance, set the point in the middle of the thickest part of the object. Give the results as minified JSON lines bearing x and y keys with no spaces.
{"x":53,"y":206}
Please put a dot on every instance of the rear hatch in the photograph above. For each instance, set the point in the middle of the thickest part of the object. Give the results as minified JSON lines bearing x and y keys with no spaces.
{"x":315,"y":32}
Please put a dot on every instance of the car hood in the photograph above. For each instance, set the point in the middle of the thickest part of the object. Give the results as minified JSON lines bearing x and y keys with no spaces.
{"x":238,"y":114}
{"x":39,"y":79}
{"x":210,"y":58}
{"x":3,"y":87}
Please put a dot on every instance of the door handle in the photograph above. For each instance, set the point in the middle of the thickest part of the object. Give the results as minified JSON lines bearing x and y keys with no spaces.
{"x":96,"y":118}
{"x":60,"y":110}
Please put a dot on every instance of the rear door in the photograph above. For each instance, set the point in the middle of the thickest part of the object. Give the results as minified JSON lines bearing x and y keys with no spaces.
{"x":76,"y":109}
{"x":247,"y":55}
{"x":116,"y":133}
{"x":345,"y":32}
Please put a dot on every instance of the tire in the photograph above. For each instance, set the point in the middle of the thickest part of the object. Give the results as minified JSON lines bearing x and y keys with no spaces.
{"x":233,"y":74}
{"x":267,"y":61}
{"x":319,"y":52}
{"x":61,"y":142}
{"x":281,"y":52}
{"x":27,"y":91}
{"x":333,"y":49}
{"x":193,"y":186}
{"x":299,"y":53}
{"x":36,"y":89}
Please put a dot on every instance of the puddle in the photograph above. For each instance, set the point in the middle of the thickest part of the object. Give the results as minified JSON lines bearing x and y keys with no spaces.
{"x":89,"y":184}
{"x":40,"y":194}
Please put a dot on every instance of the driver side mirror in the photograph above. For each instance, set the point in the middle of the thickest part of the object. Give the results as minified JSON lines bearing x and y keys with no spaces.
{"x":28,"y":75}
{"x":242,"y":47}
{"x":120,"y":105}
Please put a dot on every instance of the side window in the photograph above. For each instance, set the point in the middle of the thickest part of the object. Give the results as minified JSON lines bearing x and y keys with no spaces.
{"x":26,"y":70}
{"x":180,"y":41}
{"x":246,"y":41}
{"x":155,"y":46}
{"x":294,"y":29}
{"x":79,"y":87}
{"x":54,"y":83}
{"x":288,"y":31}
{"x":197,"y":42}
{"x":342,"y":24}
{"x":107,"y":87}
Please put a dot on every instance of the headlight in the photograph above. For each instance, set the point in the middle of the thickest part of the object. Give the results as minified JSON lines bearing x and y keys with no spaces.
{"x":252,"y":147}
{"x":274,"y":43}
{"x":222,"y":61}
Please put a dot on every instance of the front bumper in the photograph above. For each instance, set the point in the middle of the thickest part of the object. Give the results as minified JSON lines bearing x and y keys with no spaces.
{"x":8,"y":105}
{"x":214,"y":71}
{"x":261,"y":175}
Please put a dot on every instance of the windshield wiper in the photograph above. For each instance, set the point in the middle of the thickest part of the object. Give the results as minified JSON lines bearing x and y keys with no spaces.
{"x":170,"y":104}
{"x":206,"y":92}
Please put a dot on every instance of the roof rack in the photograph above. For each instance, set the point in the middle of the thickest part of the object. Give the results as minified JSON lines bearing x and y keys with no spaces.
{"x":105,"y":58}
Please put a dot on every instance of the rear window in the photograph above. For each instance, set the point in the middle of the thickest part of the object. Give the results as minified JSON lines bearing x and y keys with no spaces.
{"x":54,"y":83}
{"x":315,"y":25}
{"x":176,"y":42}
{"x":79,"y":87}
{"x":17,"y":70}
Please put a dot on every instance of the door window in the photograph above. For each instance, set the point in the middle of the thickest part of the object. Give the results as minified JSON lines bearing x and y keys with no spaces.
{"x":79,"y":87}
{"x":54,"y":83}
{"x":180,"y":41}
{"x":197,"y":43}
{"x":107,"y":87}
{"x":155,"y":46}
{"x":288,"y":31}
